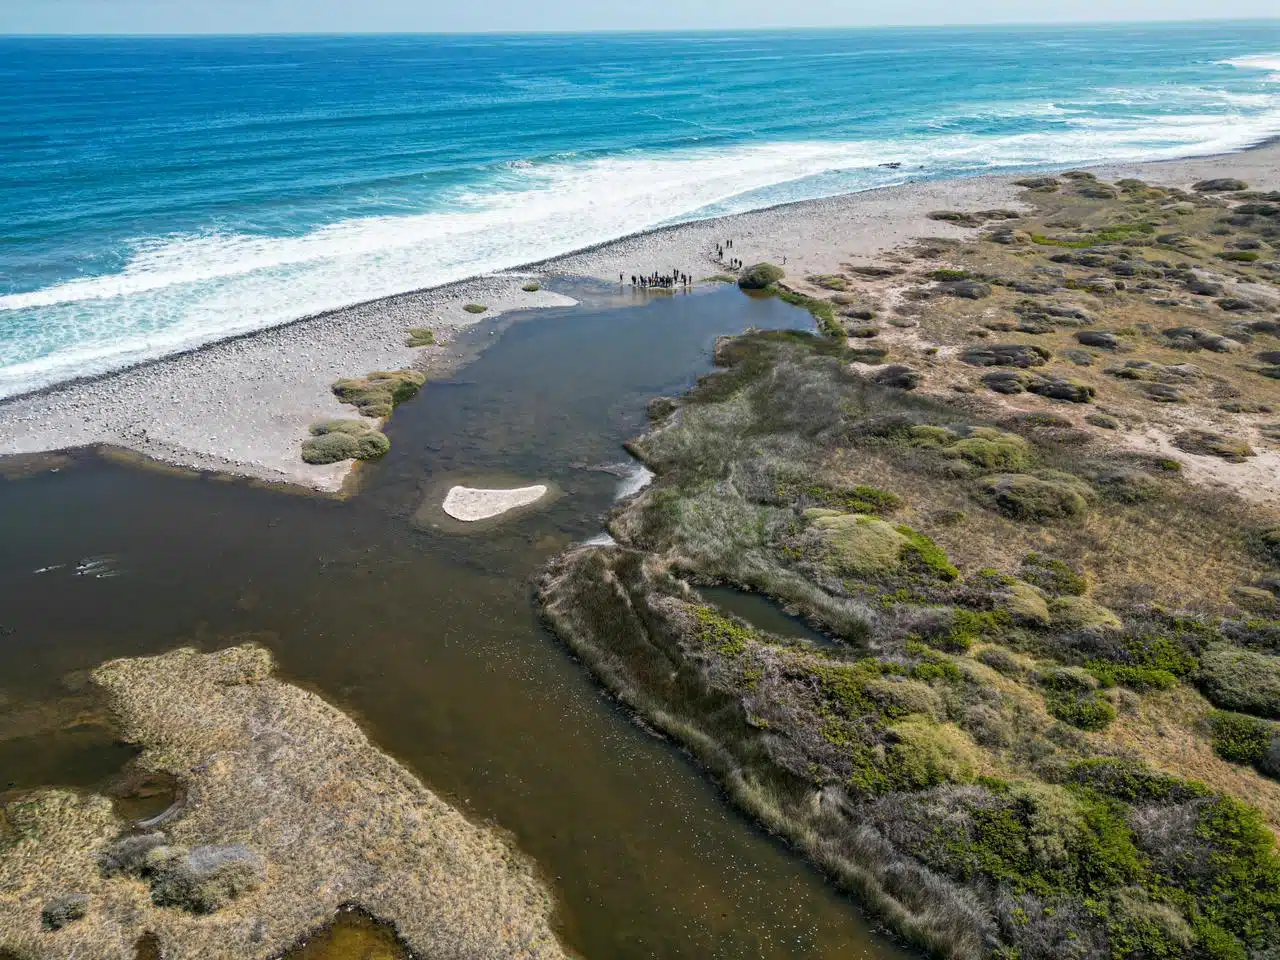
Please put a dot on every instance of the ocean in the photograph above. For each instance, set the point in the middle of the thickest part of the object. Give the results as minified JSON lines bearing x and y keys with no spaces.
{"x":156,"y":194}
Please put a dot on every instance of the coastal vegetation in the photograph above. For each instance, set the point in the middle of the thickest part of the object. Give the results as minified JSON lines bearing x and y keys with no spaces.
{"x":374,"y":396}
{"x":475,"y":308}
{"x":282,"y":802}
{"x":336,"y":440}
{"x":421,"y":337}
{"x":1043,"y":723}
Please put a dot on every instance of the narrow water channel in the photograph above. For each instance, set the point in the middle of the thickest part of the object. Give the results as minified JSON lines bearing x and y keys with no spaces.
{"x":429,"y":637}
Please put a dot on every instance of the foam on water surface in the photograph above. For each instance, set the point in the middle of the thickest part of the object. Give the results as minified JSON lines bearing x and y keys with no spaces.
{"x":240,"y":203}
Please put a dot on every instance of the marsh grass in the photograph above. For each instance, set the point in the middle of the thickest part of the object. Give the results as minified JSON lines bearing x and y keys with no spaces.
{"x":932,"y":708}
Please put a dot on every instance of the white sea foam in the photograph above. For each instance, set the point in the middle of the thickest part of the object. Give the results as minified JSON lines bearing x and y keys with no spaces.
{"x":181,"y":291}
{"x":1263,"y":61}
{"x":635,"y":481}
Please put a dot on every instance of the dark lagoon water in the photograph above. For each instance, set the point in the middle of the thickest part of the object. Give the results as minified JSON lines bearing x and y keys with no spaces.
{"x":427,"y":636}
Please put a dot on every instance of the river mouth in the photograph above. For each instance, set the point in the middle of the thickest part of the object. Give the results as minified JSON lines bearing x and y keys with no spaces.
{"x":430,"y":640}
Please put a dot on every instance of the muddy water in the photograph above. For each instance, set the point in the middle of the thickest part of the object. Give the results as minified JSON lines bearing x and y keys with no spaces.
{"x":428,"y":636}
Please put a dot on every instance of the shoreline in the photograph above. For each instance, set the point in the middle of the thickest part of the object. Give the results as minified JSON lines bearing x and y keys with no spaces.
{"x":243,"y":405}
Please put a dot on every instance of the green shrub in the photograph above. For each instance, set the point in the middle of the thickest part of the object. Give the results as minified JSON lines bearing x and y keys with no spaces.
{"x":727,"y":637}
{"x":858,"y":544}
{"x":1239,"y":256}
{"x":761,"y":276}
{"x":1135,"y":678}
{"x":335,"y":440}
{"x":1240,"y":738}
{"x":377,"y":394}
{"x":1206,"y":443}
{"x":353,"y":427}
{"x":948,"y":274}
{"x":927,"y":435}
{"x":330,"y":448}
{"x":922,"y":554}
{"x":924,"y":754}
{"x":421,"y":337}
{"x":1241,"y":680}
{"x":533,"y":286}
{"x":1025,"y":497}
{"x":968,"y":627}
{"x":993,"y":449}
{"x":868,"y":499}
{"x":1081,"y":613}
{"x":862,"y":498}
{"x":1089,"y":712}
{"x":475,"y":308}
{"x":1067,"y":680}
{"x":1025,"y":603}
{"x":1132,"y":781}
{"x":823,"y":312}
{"x":830,"y":281}
{"x":1053,"y":576}
{"x":1241,"y":893}
{"x":1156,"y":651}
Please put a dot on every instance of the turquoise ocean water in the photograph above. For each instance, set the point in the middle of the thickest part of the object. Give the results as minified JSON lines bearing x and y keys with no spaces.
{"x":156,"y":194}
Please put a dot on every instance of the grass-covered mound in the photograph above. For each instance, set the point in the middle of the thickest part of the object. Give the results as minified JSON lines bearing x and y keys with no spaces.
{"x":336,"y":440}
{"x":1004,"y":747}
{"x":376,"y":394}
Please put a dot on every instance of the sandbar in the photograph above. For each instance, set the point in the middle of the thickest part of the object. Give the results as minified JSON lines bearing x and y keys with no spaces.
{"x":470,"y":504}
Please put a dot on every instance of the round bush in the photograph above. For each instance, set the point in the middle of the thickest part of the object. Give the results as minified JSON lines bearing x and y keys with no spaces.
{"x":1024,"y":497}
{"x":761,"y":276}
{"x":330,"y":448}
{"x":372,"y":445}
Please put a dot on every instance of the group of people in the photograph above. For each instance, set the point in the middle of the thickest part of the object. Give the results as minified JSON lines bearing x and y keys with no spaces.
{"x":676,"y":278}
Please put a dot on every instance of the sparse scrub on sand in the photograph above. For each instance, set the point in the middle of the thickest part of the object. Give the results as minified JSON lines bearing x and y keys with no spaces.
{"x":973,"y":752}
{"x":830,"y":281}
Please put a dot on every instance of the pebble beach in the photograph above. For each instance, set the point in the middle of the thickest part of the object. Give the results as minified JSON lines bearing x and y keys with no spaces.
{"x":243,"y":406}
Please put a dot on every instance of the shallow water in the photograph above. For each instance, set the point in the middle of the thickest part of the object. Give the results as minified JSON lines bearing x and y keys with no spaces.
{"x":763,"y":613}
{"x":429,"y":637}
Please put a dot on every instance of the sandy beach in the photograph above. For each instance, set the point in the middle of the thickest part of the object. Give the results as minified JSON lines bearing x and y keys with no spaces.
{"x":243,"y":406}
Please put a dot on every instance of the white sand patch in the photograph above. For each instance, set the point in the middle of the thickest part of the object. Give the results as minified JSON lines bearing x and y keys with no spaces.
{"x":469,"y":503}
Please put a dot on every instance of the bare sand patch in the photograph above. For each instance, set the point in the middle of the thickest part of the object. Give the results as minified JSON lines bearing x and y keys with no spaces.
{"x":469,"y":504}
